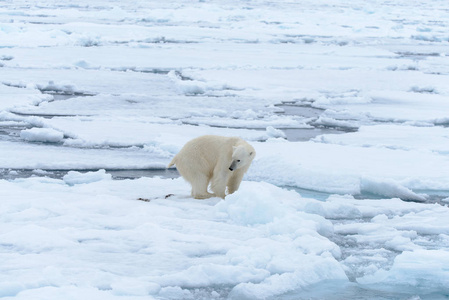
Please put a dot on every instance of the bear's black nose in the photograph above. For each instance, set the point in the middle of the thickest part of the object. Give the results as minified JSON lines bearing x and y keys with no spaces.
{"x":231,"y":169}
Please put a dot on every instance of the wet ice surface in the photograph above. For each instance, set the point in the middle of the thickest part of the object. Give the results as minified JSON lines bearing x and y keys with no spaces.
{"x":11,"y":174}
{"x":347,"y":197}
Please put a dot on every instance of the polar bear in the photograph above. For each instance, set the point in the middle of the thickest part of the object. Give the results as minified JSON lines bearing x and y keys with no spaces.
{"x":218,"y":160}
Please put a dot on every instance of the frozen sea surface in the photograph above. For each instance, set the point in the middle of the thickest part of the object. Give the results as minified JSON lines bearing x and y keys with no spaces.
{"x":347,"y":197}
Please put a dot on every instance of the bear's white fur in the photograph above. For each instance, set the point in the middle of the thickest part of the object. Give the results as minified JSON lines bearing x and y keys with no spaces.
{"x":218,"y":160}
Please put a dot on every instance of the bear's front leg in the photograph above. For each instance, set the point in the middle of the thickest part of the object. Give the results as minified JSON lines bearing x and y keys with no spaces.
{"x":235,"y":180}
{"x":218,"y":183}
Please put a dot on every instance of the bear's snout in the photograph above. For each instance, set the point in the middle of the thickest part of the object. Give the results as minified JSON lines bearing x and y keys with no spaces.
{"x":233,"y":165}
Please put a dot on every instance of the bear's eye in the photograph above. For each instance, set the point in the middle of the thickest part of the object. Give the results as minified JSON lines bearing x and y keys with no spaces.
{"x":238,"y":160}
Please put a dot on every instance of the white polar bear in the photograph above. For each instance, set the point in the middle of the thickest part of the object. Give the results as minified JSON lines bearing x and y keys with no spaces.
{"x":218,"y":160}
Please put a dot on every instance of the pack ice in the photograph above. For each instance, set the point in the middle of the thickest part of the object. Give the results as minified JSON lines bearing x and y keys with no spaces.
{"x":348,"y":113}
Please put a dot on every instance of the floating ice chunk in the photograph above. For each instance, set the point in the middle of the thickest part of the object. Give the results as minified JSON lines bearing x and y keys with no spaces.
{"x":74,"y":177}
{"x":13,"y":173}
{"x":41,"y":172}
{"x":275,"y":133}
{"x":46,"y":135}
{"x":388,"y":188}
{"x":423,"y":271}
{"x":325,"y":121}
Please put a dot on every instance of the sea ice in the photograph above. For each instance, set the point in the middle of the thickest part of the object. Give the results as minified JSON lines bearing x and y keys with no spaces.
{"x":388,"y":188}
{"x":420,"y":271}
{"x":74,"y":177}
{"x":406,"y":137}
{"x":11,"y":97}
{"x":349,"y":169}
{"x":89,"y":230}
{"x":97,"y":86}
{"x":46,"y":135}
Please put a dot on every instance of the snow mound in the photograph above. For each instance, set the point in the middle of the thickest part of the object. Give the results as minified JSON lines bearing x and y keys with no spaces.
{"x":249,"y":206}
{"x":45,"y":135}
{"x":74,"y":177}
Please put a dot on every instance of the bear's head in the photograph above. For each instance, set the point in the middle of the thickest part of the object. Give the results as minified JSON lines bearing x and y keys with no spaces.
{"x":242,"y":156}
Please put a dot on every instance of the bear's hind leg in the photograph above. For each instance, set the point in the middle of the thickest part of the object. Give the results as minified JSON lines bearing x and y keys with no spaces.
{"x":199,"y":187}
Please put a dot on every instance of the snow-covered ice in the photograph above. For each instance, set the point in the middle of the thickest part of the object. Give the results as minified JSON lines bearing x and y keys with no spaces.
{"x":48,"y":135}
{"x":347,"y":197}
{"x":110,"y":241}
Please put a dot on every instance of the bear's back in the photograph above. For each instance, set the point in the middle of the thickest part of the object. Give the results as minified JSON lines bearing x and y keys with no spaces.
{"x":210,"y":148}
